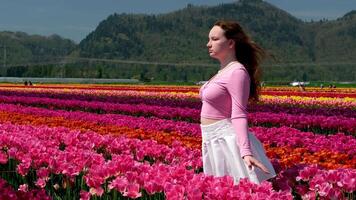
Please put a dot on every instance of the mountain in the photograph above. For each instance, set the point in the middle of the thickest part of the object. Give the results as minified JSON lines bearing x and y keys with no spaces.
{"x":182,"y":35}
{"x":335,"y":40}
{"x":23,"y":48}
{"x":320,"y":50}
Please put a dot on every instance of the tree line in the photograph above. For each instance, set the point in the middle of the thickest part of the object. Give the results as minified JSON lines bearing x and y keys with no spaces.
{"x":325,"y":49}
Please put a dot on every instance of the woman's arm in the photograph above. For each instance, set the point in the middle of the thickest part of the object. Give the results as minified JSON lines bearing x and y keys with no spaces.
{"x":238,"y":86}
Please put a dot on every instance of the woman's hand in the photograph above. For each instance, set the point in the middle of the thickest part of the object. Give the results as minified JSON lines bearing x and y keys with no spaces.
{"x":251,"y":161}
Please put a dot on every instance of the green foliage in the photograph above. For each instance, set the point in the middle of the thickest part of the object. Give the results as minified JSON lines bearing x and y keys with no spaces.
{"x":324,"y":49}
{"x":181,"y":36}
{"x":22,"y":48}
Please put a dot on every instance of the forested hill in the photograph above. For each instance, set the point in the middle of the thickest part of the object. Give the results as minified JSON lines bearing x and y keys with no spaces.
{"x":321,"y":50}
{"x":333,"y":40}
{"x":181,"y":36}
{"x":19,"y":47}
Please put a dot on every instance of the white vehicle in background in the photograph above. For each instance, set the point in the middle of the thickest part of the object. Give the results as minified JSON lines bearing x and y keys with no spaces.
{"x":200,"y":82}
{"x":297,"y":83}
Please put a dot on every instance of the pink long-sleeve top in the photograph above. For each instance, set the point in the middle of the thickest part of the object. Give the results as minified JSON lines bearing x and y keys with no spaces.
{"x":226,"y":96}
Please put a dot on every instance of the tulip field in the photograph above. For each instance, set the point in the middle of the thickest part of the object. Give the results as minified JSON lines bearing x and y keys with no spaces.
{"x":83,"y":141}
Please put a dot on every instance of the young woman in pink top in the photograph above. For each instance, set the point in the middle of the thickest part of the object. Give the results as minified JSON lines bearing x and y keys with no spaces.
{"x":229,"y":148}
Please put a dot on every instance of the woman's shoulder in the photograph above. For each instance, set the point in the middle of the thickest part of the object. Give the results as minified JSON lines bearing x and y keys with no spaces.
{"x":238,"y":66}
{"x":238,"y":70}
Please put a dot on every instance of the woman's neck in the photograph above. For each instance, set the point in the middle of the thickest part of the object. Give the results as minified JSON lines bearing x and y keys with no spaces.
{"x":227,"y":61}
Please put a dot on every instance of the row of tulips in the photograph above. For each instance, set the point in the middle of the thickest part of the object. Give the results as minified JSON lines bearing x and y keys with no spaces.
{"x":106,"y":145}
{"x":280,"y":136}
{"x":288,"y":155}
{"x":164,"y":112}
{"x":180,"y":89}
{"x":285,"y":152}
{"x":333,"y":94}
{"x":286,"y":180}
{"x":190,"y":100}
{"x":160,"y":136}
{"x":149,"y":124}
{"x":310,"y":91}
{"x":80,"y":166}
{"x":125,"y":98}
{"x":315,"y":123}
{"x":325,"y":111}
{"x":308,"y":102}
{"x":128,"y":97}
{"x":99,"y":170}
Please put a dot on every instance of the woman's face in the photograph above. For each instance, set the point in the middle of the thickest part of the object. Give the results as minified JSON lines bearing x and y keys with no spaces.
{"x":218,"y":45}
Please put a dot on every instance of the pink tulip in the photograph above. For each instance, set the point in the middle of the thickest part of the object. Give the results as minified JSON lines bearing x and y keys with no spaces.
{"x":150,"y":187}
{"x":307,"y":173}
{"x":348,"y":181}
{"x":84,"y":195}
{"x":24,"y":166}
{"x":323,"y":189}
{"x":309,"y":196}
{"x":194,"y":194}
{"x":132,"y":191}
{"x":3,"y":158}
{"x":23,"y":188}
{"x":12,"y":152}
{"x":119,"y":183}
{"x":41,"y":183}
{"x":173,"y":191}
{"x":99,"y":191}
{"x":194,"y":188}
{"x":42,"y":172}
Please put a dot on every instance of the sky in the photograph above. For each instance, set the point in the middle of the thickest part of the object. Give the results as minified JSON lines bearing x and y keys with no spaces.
{"x":75,"y":19}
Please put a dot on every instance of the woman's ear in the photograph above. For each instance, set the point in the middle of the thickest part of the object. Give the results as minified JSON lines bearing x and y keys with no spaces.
{"x":231,"y":44}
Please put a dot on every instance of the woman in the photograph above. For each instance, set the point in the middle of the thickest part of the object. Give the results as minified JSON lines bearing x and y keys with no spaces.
{"x":228,"y":147}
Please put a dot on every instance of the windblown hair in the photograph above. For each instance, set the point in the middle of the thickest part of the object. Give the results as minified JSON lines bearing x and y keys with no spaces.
{"x":247,"y":52}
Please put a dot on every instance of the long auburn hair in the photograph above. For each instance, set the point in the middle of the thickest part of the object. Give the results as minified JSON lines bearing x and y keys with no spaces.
{"x":247,"y":52}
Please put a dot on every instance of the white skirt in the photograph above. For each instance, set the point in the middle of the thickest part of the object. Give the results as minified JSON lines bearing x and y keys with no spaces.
{"x":221,"y":154}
